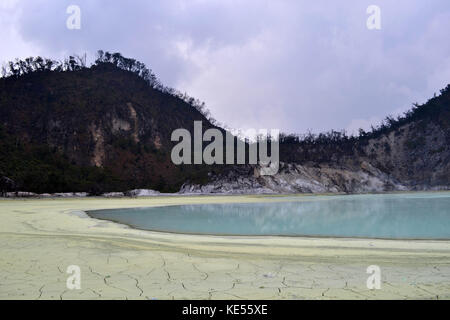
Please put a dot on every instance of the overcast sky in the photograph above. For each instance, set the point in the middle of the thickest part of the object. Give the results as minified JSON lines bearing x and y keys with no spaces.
{"x":292,"y":65}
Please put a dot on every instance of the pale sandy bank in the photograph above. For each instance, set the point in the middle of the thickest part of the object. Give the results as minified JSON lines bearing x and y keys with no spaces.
{"x":39,"y":239}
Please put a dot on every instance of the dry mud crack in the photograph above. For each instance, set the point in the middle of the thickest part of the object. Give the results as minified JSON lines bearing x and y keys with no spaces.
{"x":39,"y":239}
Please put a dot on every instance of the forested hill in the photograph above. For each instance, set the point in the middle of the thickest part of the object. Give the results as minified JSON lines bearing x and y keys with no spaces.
{"x":68,"y":127}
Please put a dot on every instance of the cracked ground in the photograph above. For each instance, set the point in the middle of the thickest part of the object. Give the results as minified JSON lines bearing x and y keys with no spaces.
{"x":39,"y":239}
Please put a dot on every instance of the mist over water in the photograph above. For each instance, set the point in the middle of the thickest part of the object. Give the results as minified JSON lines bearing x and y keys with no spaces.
{"x":399,"y":216}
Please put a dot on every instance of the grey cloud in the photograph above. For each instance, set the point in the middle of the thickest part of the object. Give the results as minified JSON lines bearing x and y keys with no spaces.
{"x":293,"y":65}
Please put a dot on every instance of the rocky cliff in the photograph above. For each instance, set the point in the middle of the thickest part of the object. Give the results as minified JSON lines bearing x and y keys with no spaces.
{"x":295,"y":178}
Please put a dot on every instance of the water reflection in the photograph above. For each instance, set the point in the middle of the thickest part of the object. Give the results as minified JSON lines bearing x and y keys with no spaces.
{"x":378,"y":216}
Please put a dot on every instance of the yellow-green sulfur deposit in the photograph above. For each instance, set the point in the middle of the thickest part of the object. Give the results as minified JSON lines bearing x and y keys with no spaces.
{"x":40,"y":239}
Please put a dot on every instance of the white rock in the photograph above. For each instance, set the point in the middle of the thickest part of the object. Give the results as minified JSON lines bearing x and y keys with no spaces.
{"x":143,"y":193}
{"x":69,"y":194}
{"x":45,"y":195}
{"x":80,"y":194}
{"x":20,"y":194}
{"x":113,"y":194}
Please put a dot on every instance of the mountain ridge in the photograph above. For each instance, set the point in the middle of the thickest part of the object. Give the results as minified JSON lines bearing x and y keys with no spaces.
{"x":65,"y":127}
{"x":411,"y":152}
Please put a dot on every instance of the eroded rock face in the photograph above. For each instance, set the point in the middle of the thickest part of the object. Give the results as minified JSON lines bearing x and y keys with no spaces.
{"x":294,"y":178}
{"x":418,"y":154}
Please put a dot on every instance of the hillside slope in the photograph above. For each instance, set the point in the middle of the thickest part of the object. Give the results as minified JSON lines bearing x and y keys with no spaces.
{"x":408,"y":153}
{"x":91,"y":129}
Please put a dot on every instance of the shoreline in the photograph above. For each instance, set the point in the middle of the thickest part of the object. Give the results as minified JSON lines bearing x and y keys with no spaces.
{"x":83,"y":195}
{"x":55,"y":233}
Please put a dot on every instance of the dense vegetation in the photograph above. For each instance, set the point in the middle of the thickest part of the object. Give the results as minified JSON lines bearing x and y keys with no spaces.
{"x":105,"y":60}
{"x":50,"y":112}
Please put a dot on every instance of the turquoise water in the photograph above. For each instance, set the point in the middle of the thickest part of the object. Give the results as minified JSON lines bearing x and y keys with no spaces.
{"x":395,"y":216}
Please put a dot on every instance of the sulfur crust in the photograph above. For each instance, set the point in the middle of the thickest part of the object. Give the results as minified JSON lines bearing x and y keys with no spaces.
{"x":40,"y":238}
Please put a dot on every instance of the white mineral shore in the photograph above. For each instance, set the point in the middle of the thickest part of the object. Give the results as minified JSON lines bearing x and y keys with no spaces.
{"x":40,"y":238}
